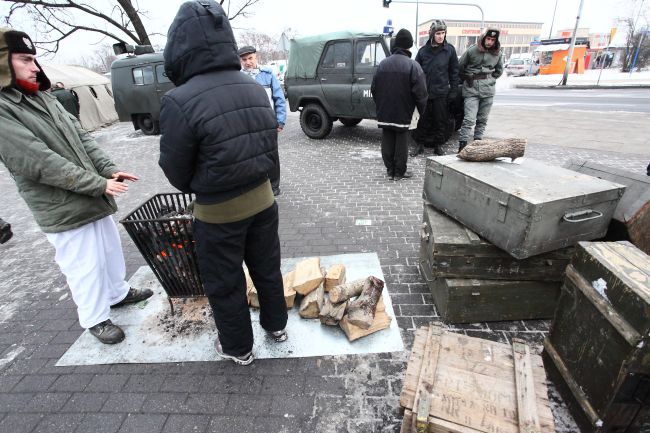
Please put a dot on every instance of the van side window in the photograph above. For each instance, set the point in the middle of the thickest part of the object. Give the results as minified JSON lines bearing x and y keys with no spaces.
{"x":338,"y":55}
{"x":143,"y":76}
{"x":160,"y":74}
{"x":369,"y":54}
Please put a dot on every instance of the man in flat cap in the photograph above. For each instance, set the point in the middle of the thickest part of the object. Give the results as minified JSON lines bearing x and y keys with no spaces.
{"x":267,"y":79}
{"x":479,"y":68}
{"x":69,"y":184}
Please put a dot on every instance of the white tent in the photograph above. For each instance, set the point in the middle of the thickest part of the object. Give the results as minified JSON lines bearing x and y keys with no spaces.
{"x":96,"y":105}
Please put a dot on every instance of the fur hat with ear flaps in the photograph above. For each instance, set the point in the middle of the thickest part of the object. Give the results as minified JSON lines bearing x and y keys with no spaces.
{"x":17,"y":42}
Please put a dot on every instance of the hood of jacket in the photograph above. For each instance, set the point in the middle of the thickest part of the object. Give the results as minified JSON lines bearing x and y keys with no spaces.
{"x":7,"y":74}
{"x":199,"y":40}
{"x":497,"y":45}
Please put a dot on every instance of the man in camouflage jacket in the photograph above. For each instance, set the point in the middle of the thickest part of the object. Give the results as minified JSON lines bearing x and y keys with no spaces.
{"x":479,"y":68}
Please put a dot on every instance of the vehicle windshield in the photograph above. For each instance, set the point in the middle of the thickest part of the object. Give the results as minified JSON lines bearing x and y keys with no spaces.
{"x":516,"y":62}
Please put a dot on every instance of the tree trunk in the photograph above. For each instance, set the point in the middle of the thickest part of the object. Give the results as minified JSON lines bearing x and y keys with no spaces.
{"x":361,"y":311}
{"x":489,"y":150}
{"x":346,"y":291}
{"x":135,"y":20}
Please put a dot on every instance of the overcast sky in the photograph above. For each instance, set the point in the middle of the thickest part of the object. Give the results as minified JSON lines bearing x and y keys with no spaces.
{"x":307,"y":17}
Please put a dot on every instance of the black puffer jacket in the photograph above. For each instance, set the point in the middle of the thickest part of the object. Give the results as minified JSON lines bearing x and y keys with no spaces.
{"x":219,"y":133}
{"x":397,"y":87}
{"x":441,"y":68}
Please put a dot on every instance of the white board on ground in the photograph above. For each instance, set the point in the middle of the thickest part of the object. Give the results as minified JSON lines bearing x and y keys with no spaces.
{"x":153,"y":335}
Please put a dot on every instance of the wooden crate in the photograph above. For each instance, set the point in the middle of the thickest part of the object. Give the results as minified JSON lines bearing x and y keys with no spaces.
{"x":631,"y":220}
{"x":452,"y":250}
{"x":479,"y":300}
{"x":597,"y":350}
{"x":460,"y":384}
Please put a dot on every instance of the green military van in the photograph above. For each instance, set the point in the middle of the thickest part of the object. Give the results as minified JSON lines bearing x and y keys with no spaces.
{"x":139,"y":82}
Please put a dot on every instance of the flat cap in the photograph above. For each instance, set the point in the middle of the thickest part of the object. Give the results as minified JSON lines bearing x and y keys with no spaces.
{"x":246,"y":50}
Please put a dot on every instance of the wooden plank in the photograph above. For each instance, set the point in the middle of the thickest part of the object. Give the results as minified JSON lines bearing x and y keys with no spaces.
{"x":525,"y":388}
{"x":407,"y":396}
{"x":578,"y":394}
{"x":426,"y":378}
{"x":621,"y":325}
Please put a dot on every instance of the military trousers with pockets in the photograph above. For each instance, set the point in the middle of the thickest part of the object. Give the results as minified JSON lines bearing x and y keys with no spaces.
{"x":477,"y":111}
{"x":221,"y":251}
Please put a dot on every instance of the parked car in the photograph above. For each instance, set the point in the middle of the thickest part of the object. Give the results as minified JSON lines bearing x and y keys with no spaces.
{"x":329,"y":77}
{"x":522,"y":67}
{"x":139,"y":82}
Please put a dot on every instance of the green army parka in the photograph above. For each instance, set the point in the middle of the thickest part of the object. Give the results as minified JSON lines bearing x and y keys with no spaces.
{"x":478,"y":60}
{"x":59,"y":170}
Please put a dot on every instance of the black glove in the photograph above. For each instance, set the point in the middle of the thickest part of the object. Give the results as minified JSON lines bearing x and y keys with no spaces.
{"x":469,"y":79}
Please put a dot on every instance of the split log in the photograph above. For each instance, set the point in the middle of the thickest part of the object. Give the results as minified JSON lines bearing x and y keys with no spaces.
{"x":382,"y":321}
{"x":308,"y":275}
{"x":289,"y":293}
{"x":489,"y":150}
{"x":335,"y":276}
{"x":361,"y":311}
{"x":331,"y":314}
{"x":251,"y":291}
{"x":311,"y":304}
{"x":346,"y":291}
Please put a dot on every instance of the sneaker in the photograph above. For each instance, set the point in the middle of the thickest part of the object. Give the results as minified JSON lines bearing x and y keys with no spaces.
{"x":406,"y":175}
{"x":134,"y":295}
{"x":240,"y":360}
{"x":107,"y":333}
{"x":278,"y":336}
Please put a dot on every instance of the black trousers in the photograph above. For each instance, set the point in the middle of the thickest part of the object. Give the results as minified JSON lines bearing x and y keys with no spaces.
{"x":432,"y":125}
{"x":394,"y":151}
{"x":274,"y":175}
{"x":221,"y":249}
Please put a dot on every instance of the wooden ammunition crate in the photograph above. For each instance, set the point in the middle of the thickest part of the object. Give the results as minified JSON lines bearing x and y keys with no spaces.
{"x":460,"y":384}
{"x":597,"y":350}
{"x":451,"y":250}
{"x":631,"y":220}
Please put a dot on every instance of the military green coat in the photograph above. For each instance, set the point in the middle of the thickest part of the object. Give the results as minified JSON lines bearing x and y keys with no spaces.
{"x":59,"y":170}
{"x":476,"y":60}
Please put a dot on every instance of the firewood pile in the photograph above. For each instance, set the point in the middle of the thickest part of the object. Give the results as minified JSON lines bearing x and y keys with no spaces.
{"x":324,"y":294}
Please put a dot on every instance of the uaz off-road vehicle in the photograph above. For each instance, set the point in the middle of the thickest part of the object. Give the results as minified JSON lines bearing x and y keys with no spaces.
{"x":329,"y":76}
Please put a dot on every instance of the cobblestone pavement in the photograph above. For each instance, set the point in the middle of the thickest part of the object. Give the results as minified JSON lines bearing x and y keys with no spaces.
{"x":327,"y":186}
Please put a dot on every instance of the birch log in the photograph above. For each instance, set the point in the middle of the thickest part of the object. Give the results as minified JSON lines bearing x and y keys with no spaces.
{"x":346,"y":291}
{"x":361,"y":311}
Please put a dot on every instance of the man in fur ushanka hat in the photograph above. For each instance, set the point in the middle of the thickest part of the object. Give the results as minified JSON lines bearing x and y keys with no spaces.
{"x":69,"y":185}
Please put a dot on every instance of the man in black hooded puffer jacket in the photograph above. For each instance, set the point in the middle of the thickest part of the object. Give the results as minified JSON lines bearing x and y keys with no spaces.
{"x":219,"y":141}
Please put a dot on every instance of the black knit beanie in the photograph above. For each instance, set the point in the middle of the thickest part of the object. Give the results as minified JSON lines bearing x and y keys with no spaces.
{"x":403,"y":39}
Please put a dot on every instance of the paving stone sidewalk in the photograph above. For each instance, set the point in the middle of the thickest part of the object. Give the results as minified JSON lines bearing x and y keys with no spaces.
{"x":327,"y":185}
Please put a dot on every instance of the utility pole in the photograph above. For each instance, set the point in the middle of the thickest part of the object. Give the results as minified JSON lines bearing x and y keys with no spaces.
{"x":573,"y":43}
{"x":550,"y":32}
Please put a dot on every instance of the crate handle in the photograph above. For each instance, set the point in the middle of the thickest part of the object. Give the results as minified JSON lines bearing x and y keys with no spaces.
{"x":424,"y":273}
{"x":570,"y":217}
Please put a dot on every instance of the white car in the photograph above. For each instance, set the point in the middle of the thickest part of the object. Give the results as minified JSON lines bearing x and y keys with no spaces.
{"x":522,"y":67}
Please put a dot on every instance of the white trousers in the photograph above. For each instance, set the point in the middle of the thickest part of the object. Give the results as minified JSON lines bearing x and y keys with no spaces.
{"x":91,"y":259}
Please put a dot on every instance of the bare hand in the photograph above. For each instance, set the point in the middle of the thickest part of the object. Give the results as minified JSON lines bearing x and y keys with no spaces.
{"x":279,"y":129}
{"x":121,"y":176}
{"x":115,"y":187}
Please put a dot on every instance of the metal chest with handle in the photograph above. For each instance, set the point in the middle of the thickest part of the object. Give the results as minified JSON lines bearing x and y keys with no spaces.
{"x":525,"y":207}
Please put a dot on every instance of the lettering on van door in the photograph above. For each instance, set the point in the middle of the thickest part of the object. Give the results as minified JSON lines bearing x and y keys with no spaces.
{"x":367,"y":93}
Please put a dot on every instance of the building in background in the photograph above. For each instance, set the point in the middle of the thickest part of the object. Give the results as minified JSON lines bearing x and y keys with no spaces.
{"x":516,"y":37}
